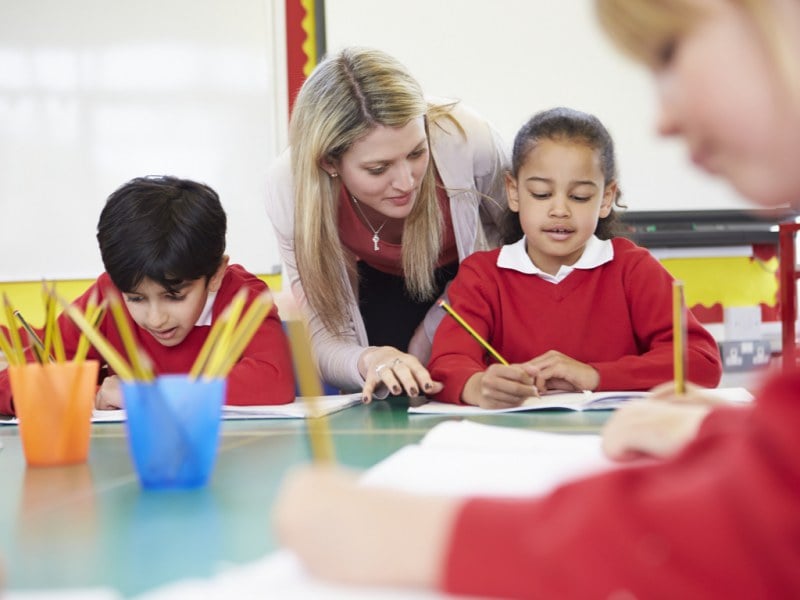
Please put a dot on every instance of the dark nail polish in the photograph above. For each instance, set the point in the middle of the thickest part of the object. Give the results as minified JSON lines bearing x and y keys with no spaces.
{"x":396,"y":390}
{"x":364,"y":399}
{"x":428,"y":386}
{"x":414,"y":392}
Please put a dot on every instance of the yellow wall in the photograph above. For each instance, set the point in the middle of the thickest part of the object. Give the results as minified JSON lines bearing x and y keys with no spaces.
{"x":27,"y":295}
{"x":730,"y":281}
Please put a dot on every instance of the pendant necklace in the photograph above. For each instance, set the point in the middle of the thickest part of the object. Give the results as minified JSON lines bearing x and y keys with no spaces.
{"x":375,"y":237}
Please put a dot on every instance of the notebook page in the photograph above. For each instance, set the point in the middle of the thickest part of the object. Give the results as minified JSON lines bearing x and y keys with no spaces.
{"x":458,"y":458}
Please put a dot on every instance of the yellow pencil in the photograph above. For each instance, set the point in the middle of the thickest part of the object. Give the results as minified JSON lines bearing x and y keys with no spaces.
{"x":107,"y":351}
{"x":217,"y":357}
{"x":679,"y":335}
{"x":94,"y":314}
{"x":16,"y":342}
{"x":203,"y":358}
{"x":310,"y":387}
{"x":245,"y":331}
{"x":49,"y":316}
{"x":52,"y":333}
{"x":36,"y":342}
{"x":472,"y":332}
{"x":5,"y":346}
{"x":83,"y":343}
{"x":58,"y":342}
{"x":141,"y":367}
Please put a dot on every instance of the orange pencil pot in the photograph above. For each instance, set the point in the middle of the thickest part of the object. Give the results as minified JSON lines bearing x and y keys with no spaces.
{"x":54,"y":403}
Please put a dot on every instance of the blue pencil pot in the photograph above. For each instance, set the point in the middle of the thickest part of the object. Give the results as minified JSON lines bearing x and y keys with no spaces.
{"x":173,"y":429}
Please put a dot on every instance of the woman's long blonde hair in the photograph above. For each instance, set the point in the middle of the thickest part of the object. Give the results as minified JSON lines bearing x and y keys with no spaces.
{"x":644,"y":29}
{"x":346,"y":96}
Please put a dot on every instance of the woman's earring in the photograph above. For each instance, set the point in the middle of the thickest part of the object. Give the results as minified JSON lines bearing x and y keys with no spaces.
{"x":333,"y":175}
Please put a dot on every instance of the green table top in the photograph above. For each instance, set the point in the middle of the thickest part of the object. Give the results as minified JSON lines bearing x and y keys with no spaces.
{"x":91,"y":525}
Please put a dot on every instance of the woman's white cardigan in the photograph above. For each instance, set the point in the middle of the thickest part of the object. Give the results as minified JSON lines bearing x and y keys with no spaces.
{"x":472,"y":169}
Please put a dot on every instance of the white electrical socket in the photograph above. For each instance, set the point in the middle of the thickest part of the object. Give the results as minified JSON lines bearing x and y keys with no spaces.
{"x":742,"y":323}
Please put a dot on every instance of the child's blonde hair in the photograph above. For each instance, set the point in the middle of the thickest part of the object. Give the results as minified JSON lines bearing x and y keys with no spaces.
{"x":646,"y":29}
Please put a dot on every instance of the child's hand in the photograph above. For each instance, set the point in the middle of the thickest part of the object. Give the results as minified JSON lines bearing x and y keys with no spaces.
{"x":109,"y":396}
{"x":347,"y":532}
{"x":651,"y":428}
{"x":694,"y":395}
{"x":556,"y":371}
{"x":499,"y":386}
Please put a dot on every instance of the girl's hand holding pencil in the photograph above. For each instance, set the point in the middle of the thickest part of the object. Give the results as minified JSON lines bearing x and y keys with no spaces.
{"x":499,"y":386}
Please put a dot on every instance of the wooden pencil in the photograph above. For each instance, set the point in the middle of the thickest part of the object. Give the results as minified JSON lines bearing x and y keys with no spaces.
{"x":8,"y":352}
{"x":202,"y":360}
{"x":36,"y":342}
{"x":94,"y":315}
{"x":472,"y":332}
{"x":310,"y":387}
{"x":17,"y":350}
{"x":218,"y":353}
{"x":140,"y":366}
{"x":107,"y":351}
{"x":244,"y":332}
{"x":49,"y":317}
{"x":679,"y":334}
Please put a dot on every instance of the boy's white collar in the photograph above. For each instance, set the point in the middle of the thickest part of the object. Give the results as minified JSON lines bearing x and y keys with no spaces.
{"x":205,"y":317}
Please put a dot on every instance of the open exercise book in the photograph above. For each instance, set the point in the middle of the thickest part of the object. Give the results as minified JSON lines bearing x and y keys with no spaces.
{"x":299,"y":409}
{"x":578,"y":401}
{"x":455,"y":458}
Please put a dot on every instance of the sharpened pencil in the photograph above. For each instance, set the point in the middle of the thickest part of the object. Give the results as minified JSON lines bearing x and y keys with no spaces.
{"x":36,"y":341}
{"x":17,"y":355}
{"x":106,"y":350}
{"x":472,"y":332}
{"x":679,"y":337}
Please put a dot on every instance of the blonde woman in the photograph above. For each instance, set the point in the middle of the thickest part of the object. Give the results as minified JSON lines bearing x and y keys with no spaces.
{"x":380,"y":196}
{"x":717,"y":519}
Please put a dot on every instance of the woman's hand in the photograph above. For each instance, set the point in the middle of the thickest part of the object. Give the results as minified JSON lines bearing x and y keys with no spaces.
{"x":109,"y":396}
{"x":499,"y":386}
{"x":556,"y":371}
{"x":401,"y":373}
{"x":652,"y":428}
{"x":346,"y":532}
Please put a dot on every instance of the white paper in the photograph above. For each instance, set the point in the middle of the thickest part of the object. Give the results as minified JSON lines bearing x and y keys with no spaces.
{"x":579,"y":401}
{"x":301,"y":408}
{"x":278,"y":575}
{"x":462,"y":458}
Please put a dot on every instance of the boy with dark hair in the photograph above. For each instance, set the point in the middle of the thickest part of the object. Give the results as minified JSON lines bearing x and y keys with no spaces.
{"x":162,"y":241}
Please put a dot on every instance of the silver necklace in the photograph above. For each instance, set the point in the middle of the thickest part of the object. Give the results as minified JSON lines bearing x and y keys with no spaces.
{"x":375,"y":237}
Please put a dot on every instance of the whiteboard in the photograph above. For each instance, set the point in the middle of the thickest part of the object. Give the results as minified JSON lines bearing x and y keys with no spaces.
{"x":96,"y":92}
{"x":511,"y":58}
